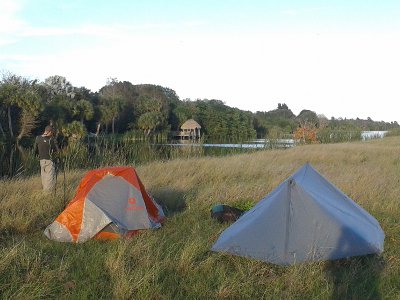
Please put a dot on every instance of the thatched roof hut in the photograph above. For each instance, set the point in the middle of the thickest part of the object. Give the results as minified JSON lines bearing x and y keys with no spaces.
{"x":189,"y":130}
{"x":190,"y":125}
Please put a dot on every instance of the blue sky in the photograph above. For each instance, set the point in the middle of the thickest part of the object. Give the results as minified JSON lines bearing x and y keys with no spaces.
{"x":337,"y":58}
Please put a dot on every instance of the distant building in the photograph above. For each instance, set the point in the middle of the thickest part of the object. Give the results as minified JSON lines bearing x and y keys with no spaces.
{"x":367,"y":135}
{"x":190,"y":130}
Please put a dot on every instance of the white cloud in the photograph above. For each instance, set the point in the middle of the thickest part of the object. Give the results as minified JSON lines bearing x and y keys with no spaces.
{"x":9,"y":20}
{"x":336,"y":74}
{"x":10,"y":23}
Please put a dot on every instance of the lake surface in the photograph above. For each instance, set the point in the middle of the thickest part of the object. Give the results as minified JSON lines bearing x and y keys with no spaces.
{"x":253,"y":144}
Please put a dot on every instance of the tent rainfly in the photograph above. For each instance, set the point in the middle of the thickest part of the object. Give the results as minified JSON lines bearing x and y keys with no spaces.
{"x":109,"y":203}
{"x":306,"y":218}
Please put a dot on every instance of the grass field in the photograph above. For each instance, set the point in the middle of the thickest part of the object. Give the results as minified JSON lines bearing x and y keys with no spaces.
{"x":175,"y":262}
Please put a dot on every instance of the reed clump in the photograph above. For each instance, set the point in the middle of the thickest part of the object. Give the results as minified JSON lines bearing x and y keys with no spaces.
{"x":175,"y":262}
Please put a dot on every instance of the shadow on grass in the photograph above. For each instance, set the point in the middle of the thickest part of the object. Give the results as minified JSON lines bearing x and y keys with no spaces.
{"x":171,"y":200}
{"x":356,"y":277}
{"x":7,"y":234}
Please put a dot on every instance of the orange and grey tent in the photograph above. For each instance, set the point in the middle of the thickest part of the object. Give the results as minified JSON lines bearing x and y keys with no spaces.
{"x":109,"y":203}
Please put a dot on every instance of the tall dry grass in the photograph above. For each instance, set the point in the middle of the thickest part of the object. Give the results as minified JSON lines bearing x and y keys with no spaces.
{"x":175,"y":262}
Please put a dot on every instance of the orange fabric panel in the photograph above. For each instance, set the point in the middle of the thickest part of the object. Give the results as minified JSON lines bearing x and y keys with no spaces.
{"x":71,"y":217}
{"x":104,"y":235}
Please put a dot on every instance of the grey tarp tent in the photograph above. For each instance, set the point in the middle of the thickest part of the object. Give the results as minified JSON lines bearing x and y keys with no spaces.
{"x":306,"y":218}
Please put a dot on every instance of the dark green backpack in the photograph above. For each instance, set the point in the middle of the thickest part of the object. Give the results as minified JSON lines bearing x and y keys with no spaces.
{"x":224,"y":213}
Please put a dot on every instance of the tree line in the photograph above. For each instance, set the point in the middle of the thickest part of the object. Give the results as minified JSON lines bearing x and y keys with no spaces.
{"x":26,"y":106}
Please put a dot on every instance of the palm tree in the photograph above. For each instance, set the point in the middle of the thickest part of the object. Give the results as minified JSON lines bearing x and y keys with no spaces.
{"x":149,"y":121}
{"x":31,"y":105}
{"x":113,"y":99}
{"x":83,"y":109}
{"x":20,"y":97}
{"x":105,"y":116}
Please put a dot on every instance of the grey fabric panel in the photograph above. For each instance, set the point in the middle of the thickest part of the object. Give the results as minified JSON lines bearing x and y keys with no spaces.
{"x":320,"y":187}
{"x":112,"y":195}
{"x":336,"y":203}
{"x":93,"y":221}
{"x":260,"y":232}
{"x":58,"y":232}
{"x":305,"y":218}
{"x":111,"y":228}
{"x":313,"y":232}
{"x":352,"y":235}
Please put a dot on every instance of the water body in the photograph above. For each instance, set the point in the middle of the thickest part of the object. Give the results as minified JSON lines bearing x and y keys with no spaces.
{"x":254,"y":144}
